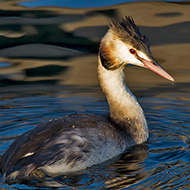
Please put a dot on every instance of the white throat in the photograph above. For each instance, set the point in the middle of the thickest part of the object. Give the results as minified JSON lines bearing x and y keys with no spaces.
{"x":124,"y":108}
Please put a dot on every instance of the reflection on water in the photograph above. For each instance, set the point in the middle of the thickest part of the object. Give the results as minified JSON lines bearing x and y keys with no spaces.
{"x":48,"y":58}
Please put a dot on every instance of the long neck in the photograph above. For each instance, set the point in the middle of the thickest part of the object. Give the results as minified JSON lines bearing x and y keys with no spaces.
{"x":125,"y":111}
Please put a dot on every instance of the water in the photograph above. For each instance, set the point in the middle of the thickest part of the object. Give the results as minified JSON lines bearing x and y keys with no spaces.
{"x":48,"y":59}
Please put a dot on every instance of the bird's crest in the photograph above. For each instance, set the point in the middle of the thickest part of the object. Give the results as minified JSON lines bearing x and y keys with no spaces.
{"x":128,"y":32}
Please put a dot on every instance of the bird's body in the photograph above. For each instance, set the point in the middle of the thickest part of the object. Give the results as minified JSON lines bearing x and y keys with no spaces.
{"x":75,"y":142}
{"x":64,"y":145}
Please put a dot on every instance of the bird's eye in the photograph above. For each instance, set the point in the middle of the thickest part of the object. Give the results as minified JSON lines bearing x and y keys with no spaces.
{"x":132,"y":51}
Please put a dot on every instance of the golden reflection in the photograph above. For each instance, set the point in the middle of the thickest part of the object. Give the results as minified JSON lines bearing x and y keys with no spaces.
{"x":82,"y":30}
{"x":146,"y":13}
{"x":129,"y":169}
{"x":11,"y":34}
{"x":149,"y":11}
{"x":83,"y":68}
{"x":29,"y":30}
{"x":93,"y":20}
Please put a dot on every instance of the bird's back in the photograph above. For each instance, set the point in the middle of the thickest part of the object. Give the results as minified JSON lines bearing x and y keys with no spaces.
{"x":59,"y":146}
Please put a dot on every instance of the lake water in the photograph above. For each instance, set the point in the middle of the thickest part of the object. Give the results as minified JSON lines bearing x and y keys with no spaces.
{"x":48,"y":59}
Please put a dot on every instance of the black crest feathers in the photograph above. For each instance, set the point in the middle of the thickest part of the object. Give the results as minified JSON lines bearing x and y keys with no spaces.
{"x":128,"y":31}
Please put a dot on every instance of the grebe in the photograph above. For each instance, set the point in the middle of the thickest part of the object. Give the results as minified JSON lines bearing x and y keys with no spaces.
{"x":77,"y":141}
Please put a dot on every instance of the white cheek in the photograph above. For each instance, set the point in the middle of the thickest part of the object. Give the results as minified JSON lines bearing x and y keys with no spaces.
{"x":125,"y":56}
{"x":142,"y":55}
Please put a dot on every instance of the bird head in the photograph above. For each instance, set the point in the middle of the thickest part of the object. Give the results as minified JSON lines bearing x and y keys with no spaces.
{"x":124,"y":44}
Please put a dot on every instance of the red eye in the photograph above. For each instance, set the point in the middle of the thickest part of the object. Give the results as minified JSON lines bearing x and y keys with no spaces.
{"x":132,"y":51}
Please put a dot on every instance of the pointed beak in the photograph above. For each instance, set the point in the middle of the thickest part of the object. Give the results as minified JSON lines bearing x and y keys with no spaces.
{"x":154,"y":66}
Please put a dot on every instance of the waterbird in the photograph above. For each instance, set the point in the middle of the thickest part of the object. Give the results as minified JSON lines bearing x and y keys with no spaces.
{"x":77,"y":141}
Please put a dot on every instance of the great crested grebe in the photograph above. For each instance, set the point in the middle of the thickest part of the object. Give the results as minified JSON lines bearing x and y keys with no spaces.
{"x":75,"y":142}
